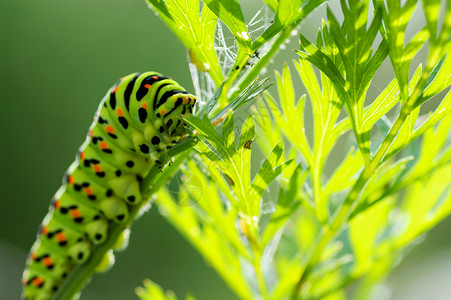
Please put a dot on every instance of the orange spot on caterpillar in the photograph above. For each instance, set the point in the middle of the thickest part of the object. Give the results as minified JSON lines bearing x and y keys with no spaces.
{"x":88,"y":191}
{"x":91,"y":133}
{"x":144,"y":105}
{"x":163,"y":111}
{"x":45,"y":230}
{"x":97,"y":168}
{"x":120,"y":113}
{"x":33,"y":256}
{"x":60,"y":237}
{"x":115,"y":89}
{"x":82,"y":155}
{"x":57,"y":204}
{"x":47,"y":261}
{"x":75,"y":213}
{"x":155,"y":77}
{"x":38,"y":281}
{"x":147,"y":86}
{"x":71,"y":180}
{"x":103,"y":145}
{"x":109,"y":129}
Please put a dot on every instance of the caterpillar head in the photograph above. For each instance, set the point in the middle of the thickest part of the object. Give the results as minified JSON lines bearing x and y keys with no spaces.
{"x":168,"y":115}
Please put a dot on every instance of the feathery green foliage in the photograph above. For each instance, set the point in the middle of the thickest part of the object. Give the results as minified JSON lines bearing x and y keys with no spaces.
{"x":266,"y":200}
{"x":324,"y":232}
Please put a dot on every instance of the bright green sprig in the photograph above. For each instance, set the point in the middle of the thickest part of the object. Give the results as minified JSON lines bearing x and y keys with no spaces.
{"x":278,"y":216}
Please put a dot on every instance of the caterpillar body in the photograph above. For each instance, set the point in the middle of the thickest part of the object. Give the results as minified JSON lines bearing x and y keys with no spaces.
{"x":136,"y":121}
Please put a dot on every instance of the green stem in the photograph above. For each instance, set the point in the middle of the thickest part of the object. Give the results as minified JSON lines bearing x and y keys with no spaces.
{"x":258,"y":271}
{"x":240,"y":62}
{"x":322,"y":206}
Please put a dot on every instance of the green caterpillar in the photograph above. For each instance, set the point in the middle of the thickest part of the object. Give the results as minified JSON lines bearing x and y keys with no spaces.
{"x":136,"y":121}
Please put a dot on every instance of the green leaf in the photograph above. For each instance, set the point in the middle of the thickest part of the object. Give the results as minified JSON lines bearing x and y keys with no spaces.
{"x":286,"y":92}
{"x":438,"y":80}
{"x":370,"y":35}
{"x":431,"y":12}
{"x":273,"y":4}
{"x":326,"y":105}
{"x":422,"y":215}
{"x":395,"y":19}
{"x":364,"y":232}
{"x":267,"y":134}
{"x":292,"y":120}
{"x":442,"y":111}
{"x":378,"y":187}
{"x":229,"y":11}
{"x":415,"y":44}
{"x":433,"y":152}
{"x":215,"y":248}
{"x":241,"y":161}
{"x":269,"y":171}
{"x":339,"y":38}
{"x":322,"y":62}
{"x":325,"y":282}
{"x":250,"y":93}
{"x":289,"y":13}
{"x":406,"y":133}
{"x":233,"y":160}
{"x":286,"y":205}
{"x":292,"y":128}
{"x":152,"y":291}
{"x":346,"y":174}
{"x":385,"y":101}
{"x":353,"y":41}
{"x":196,"y":32}
{"x":372,"y":66}
{"x":208,"y":135}
{"x":246,"y":134}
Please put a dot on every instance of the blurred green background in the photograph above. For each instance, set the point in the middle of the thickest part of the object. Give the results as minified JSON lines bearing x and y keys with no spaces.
{"x":58,"y":59}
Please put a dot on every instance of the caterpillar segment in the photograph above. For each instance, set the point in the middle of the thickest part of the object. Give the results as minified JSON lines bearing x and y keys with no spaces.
{"x":137,"y":120}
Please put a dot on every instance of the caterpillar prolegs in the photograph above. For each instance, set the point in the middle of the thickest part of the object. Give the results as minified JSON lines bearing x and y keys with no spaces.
{"x":138,"y":119}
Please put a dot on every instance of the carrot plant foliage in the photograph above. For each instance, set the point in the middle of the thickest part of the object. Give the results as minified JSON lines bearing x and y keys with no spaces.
{"x":266,"y":199}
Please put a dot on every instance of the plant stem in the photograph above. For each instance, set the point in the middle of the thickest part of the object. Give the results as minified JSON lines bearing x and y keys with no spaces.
{"x":240,"y":62}
{"x":258,"y":271}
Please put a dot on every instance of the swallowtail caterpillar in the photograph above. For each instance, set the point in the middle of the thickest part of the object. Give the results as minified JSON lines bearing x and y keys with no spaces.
{"x":138,"y":119}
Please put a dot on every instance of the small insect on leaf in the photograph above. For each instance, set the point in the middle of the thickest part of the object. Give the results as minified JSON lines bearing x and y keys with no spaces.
{"x":229,"y":179}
